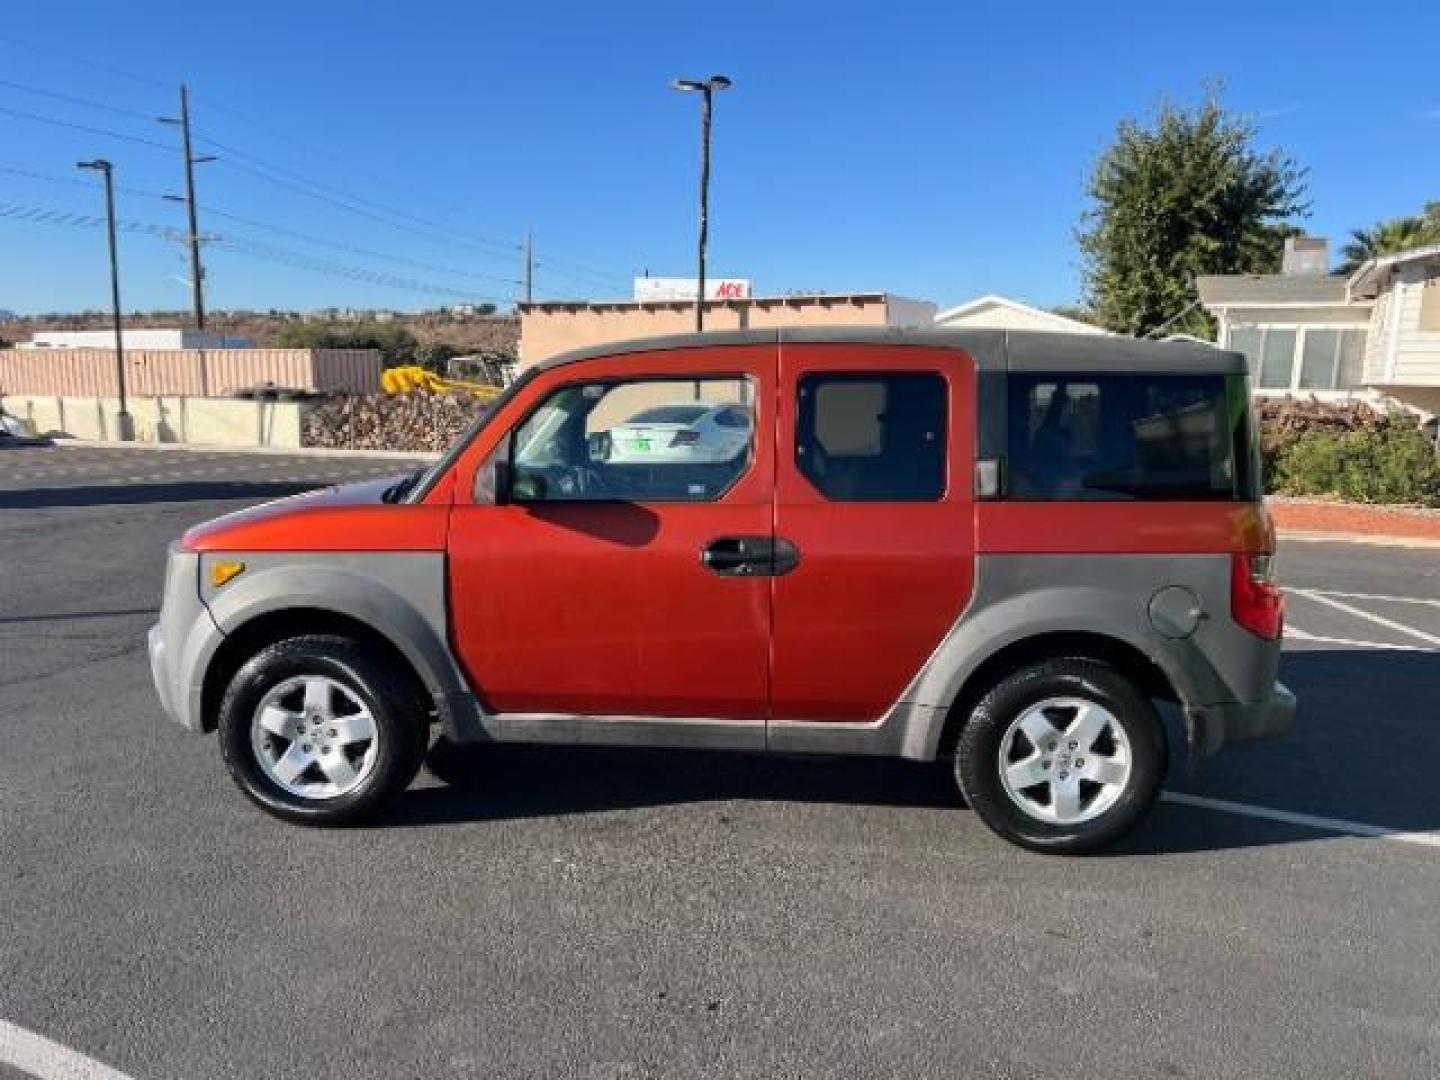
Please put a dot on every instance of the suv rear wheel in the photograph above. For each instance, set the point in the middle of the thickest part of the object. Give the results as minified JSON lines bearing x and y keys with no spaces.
{"x":316,"y":731}
{"x":1063,"y":756}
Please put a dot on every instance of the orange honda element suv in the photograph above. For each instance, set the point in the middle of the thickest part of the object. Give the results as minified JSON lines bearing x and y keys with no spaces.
{"x":995,"y":548}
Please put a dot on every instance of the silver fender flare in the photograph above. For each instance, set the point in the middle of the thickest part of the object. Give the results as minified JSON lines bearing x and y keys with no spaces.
{"x":419,"y":635}
{"x":982,"y":634}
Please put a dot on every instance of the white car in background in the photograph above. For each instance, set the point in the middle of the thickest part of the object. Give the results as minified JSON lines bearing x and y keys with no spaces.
{"x":689,"y":431}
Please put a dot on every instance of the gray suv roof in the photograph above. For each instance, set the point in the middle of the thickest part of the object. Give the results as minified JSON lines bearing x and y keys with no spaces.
{"x":995,"y":350}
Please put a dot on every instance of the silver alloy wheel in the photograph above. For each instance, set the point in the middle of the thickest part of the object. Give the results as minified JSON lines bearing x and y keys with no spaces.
{"x":1065,"y":760}
{"x":314,"y":737}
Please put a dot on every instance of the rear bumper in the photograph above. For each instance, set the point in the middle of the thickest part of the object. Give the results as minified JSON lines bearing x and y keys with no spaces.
{"x":1212,"y":726}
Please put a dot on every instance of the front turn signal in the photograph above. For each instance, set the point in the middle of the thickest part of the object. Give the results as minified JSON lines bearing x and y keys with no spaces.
{"x":221,"y":572}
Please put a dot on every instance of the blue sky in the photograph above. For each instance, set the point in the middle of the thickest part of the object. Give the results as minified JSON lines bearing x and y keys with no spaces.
{"x":936,"y":150}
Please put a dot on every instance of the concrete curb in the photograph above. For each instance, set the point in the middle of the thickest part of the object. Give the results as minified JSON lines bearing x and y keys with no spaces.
{"x":278,"y":451}
{"x":1377,"y":539}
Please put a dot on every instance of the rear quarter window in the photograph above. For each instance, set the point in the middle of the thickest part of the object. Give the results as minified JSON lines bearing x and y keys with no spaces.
{"x":1077,"y":436}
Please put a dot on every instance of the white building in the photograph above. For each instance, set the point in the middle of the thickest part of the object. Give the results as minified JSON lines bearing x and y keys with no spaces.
{"x":1308,"y":332}
{"x":1001,"y":313}
{"x":133,"y":339}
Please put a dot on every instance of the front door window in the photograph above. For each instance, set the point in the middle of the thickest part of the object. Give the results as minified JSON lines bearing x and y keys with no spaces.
{"x":650,"y":440}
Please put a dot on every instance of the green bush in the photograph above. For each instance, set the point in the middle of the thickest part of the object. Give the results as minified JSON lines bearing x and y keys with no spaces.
{"x":1391,"y":461}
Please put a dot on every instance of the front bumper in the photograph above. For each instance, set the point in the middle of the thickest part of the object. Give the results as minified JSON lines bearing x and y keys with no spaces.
{"x":1212,"y":726}
{"x":160,"y":671}
{"x":181,"y":642}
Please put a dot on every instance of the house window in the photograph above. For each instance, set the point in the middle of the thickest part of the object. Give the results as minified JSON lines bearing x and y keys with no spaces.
{"x":1430,"y":307}
{"x":1313,"y":358}
{"x":1277,"y":359}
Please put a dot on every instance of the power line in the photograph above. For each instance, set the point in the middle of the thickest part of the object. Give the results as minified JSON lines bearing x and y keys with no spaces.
{"x":277,"y":229}
{"x":280,"y":230}
{"x":370,"y":253}
{"x":48,"y":49}
{"x":300,"y":260}
{"x":350,"y":207}
{"x":285,"y":177}
{"x":449,"y":233}
{"x":243,"y":246}
{"x":57,"y":122}
{"x":279,"y":174}
{"x":75,"y":181}
{"x":73,"y":99}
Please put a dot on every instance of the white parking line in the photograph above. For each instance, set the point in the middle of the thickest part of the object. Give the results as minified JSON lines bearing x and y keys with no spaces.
{"x":1294,"y":633}
{"x":1378,"y":620}
{"x":1372,"y":596}
{"x":45,"y":1059}
{"x":1309,"y":821}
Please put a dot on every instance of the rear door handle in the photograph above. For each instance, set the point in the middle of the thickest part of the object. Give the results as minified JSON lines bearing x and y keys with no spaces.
{"x":750,"y":556}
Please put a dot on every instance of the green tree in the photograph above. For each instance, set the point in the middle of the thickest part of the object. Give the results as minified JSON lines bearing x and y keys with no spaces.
{"x":395,"y":344}
{"x":1390,"y":236}
{"x":1184,"y":195}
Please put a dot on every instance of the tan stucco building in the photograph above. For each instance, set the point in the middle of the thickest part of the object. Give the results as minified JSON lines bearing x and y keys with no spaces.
{"x":551,"y":328}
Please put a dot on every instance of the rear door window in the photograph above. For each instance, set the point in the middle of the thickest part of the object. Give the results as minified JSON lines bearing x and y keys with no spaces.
{"x":1128,"y":437}
{"x":879,"y":437}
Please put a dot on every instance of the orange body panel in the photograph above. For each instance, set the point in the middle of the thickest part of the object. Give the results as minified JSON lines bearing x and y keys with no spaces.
{"x":1132,"y":528}
{"x":605,"y":608}
{"x":879,"y":583}
{"x":348,"y":518}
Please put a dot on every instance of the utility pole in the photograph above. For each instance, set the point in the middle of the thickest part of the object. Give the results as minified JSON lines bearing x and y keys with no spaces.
{"x":707,"y":88}
{"x":197,"y":271}
{"x":529,"y":267}
{"x":122,"y":419}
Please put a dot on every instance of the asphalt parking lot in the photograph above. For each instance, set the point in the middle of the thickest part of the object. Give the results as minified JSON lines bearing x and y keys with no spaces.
{"x":530,"y":912}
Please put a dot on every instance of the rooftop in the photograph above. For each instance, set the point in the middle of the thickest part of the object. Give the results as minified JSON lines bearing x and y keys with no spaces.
{"x":1373,"y":275}
{"x":1012,"y":350}
{"x":798,"y":300}
{"x":1270,"y":290}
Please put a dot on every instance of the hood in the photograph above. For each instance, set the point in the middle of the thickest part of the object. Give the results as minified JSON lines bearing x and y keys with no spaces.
{"x":337,"y":518}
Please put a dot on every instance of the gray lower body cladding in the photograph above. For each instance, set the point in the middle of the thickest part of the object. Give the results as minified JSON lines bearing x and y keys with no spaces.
{"x":1172,"y":609}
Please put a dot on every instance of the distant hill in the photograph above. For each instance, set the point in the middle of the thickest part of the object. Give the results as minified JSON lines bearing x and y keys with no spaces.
{"x":463,"y":333}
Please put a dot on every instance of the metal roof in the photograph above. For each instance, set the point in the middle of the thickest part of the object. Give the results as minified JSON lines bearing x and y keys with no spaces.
{"x":1269,"y":290}
{"x":996,"y":350}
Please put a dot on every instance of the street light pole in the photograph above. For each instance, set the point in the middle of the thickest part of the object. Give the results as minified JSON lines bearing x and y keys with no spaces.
{"x":707,"y":88}
{"x":100,"y":165}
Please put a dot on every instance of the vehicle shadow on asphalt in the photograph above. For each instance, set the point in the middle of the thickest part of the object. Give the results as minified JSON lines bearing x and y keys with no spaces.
{"x":131,"y":494}
{"x":1360,"y":751}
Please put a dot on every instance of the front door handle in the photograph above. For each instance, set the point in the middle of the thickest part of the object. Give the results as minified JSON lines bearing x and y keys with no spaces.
{"x":750,"y":556}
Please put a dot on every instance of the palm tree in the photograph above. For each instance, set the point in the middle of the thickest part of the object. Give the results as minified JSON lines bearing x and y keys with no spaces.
{"x":1388,"y":237}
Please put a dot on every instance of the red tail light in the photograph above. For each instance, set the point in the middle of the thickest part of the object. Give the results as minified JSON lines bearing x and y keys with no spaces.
{"x":1256,"y":602}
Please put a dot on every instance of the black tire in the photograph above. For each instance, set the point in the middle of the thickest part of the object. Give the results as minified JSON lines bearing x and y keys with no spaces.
{"x":977,"y":755}
{"x":400,"y":725}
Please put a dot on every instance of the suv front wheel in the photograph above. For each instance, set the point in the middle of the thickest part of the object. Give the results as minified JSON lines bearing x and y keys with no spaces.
{"x":1062,"y":756}
{"x":316,"y":731}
